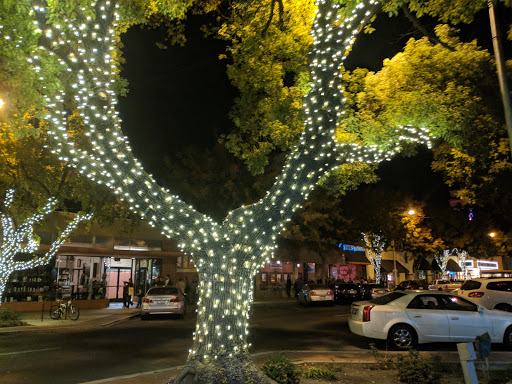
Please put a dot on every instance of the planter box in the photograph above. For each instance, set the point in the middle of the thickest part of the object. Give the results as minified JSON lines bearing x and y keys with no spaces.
{"x":34,"y":306}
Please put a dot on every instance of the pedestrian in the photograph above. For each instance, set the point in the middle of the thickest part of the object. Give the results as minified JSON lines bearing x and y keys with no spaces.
{"x":131,"y":292}
{"x":167,"y":281}
{"x":126,"y":300}
{"x":139,"y":296}
{"x":288,"y":286}
{"x":296,"y":287}
{"x":181,"y":286}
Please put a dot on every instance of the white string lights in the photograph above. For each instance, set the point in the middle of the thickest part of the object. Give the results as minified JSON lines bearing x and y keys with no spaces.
{"x":227,"y":254}
{"x":21,"y":239}
{"x":375,"y":246}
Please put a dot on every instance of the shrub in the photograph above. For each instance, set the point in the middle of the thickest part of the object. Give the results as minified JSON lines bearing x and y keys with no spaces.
{"x":325,"y":373}
{"x":280,"y":369}
{"x":412,"y":369}
{"x":10,"y":318}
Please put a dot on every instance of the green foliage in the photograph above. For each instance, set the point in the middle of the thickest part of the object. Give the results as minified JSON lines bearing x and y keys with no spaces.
{"x":281,"y":369}
{"x":263,"y":51}
{"x":10,"y":318}
{"x":412,"y":369}
{"x":325,"y":373}
{"x":318,"y":226}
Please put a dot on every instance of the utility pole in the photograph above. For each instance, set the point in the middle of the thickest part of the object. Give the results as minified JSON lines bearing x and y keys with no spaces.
{"x":395,"y":278}
{"x":500,"y":68}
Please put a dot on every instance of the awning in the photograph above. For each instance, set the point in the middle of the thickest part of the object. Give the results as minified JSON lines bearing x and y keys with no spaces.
{"x":451,"y":265}
{"x":356,"y":258}
{"x":424,"y":265}
{"x":387,"y":267}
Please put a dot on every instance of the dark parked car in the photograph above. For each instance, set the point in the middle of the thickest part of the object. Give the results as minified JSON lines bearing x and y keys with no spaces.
{"x":411,"y":284}
{"x":372,"y":291}
{"x":347,"y":293}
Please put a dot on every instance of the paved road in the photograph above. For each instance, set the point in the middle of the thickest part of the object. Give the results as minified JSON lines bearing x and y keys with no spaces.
{"x":82,"y":354}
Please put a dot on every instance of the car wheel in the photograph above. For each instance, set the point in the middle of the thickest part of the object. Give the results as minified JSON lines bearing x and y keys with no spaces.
{"x":507,"y":338}
{"x":402,"y":337}
{"x":504,"y":307}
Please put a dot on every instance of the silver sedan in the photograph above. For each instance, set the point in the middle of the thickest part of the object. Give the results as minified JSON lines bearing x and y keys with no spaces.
{"x":315,"y":293}
{"x":163,"y":301}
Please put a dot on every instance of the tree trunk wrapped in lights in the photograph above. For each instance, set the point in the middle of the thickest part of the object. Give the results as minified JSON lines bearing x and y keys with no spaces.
{"x":20,"y":239}
{"x":228,"y":254}
{"x":375,"y":245}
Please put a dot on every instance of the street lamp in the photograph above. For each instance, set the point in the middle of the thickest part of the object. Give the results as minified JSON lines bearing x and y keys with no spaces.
{"x":492,"y":234}
{"x":411,"y":212}
{"x":2,"y":103}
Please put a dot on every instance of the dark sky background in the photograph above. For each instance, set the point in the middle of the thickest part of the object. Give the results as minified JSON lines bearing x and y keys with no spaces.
{"x":181,"y":96}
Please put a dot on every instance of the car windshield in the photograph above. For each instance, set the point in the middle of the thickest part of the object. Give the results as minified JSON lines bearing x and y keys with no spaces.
{"x":387,"y":298}
{"x":470,"y":284}
{"x":318,"y":286}
{"x":163,"y":291}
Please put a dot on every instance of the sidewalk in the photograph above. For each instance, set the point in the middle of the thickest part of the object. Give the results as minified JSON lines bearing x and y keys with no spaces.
{"x":113,"y":314}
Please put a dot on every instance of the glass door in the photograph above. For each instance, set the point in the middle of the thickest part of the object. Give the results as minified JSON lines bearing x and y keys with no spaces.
{"x":116,"y":276}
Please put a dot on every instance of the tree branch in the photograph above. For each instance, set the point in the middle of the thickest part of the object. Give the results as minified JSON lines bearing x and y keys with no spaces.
{"x":420,"y":27}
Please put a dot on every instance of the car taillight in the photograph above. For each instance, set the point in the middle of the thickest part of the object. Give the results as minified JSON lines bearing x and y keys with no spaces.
{"x":476,"y":294}
{"x":312,"y":293}
{"x":146,"y":300}
{"x":330,"y":292}
{"x":175,"y":300}
{"x":366,"y":312}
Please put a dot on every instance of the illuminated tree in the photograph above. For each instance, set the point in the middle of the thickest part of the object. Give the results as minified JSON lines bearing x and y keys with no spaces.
{"x":442,"y":261}
{"x":375,"y":244}
{"x":21,"y":239}
{"x":227,"y":254}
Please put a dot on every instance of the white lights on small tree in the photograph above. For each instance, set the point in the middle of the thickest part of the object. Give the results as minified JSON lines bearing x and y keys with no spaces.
{"x":442,"y":261}
{"x":226,"y":254}
{"x":462,"y":255}
{"x":18,"y":239}
{"x":375,"y":246}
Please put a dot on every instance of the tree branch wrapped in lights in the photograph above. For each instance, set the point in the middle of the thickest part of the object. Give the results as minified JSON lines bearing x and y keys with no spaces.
{"x":227,"y":254}
{"x":21,"y":239}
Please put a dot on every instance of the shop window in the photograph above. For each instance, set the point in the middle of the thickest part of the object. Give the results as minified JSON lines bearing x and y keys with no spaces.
{"x":279,"y":278}
{"x":263,"y":277}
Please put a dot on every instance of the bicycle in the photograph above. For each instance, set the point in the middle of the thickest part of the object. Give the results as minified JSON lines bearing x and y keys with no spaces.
{"x":65,"y":309}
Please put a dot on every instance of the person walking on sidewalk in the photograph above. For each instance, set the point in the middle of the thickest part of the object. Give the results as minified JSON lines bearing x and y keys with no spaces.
{"x":126,"y":298}
{"x":288,"y":287}
{"x":131,"y":292}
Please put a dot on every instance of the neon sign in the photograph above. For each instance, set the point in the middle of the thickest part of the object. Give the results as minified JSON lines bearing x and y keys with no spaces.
{"x":348,"y":247}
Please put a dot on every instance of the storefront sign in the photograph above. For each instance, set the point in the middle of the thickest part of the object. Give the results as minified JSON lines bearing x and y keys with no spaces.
{"x":348,"y":247}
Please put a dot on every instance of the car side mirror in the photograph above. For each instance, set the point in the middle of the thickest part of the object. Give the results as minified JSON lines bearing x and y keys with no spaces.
{"x":480,"y":309}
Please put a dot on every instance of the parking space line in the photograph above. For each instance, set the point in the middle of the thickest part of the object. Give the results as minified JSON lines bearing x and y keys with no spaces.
{"x":28,"y":351}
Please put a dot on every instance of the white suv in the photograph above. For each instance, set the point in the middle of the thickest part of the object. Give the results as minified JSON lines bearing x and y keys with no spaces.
{"x":491,"y":293}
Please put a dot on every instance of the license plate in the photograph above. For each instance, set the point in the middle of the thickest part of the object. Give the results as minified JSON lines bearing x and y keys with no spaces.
{"x":352,"y":292}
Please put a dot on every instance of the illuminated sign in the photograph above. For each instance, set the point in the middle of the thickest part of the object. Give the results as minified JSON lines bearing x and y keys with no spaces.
{"x":482,"y":264}
{"x":348,"y":247}
{"x":485,"y":264}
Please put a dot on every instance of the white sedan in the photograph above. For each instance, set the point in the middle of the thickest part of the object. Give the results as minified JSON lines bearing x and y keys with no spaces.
{"x":407,"y":318}
{"x":315,"y":293}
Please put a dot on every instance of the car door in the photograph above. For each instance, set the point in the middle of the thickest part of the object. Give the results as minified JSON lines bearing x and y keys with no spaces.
{"x":466,"y":321}
{"x":429,"y":318}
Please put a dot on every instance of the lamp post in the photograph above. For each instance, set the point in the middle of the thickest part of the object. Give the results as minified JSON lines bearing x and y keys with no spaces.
{"x":395,"y":278}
